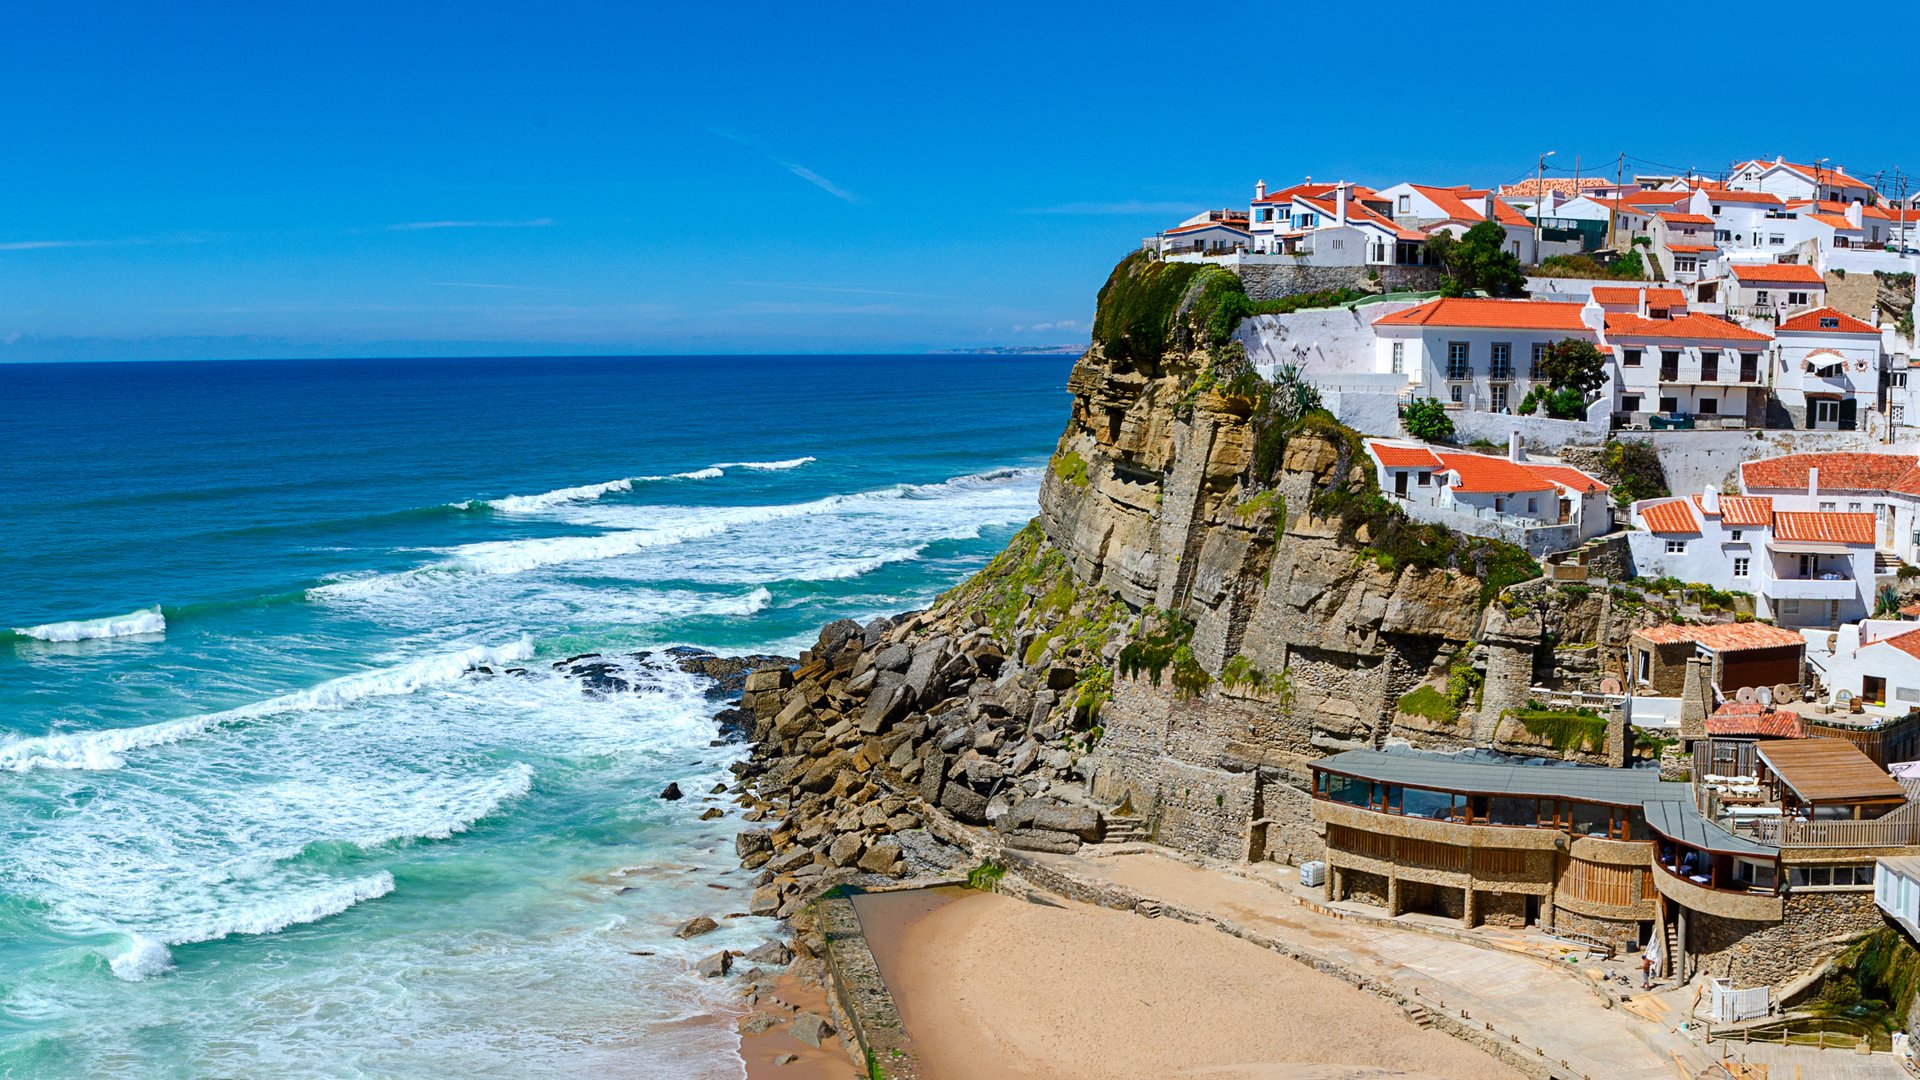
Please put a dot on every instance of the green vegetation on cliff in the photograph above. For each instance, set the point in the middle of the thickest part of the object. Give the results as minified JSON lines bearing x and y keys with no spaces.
{"x":1874,"y":981}
{"x":1565,"y":729}
{"x":1432,"y":705}
{"x":1148,"y":308}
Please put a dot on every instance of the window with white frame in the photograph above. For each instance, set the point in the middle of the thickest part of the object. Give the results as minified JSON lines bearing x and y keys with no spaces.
{"x":1777,"y":240}
{"x":1685,"y":264}
{"x":1458,"y":366}
{"x":1740,"y":565}
{"x":1499,"y":396}
{"x":1406,"y":204}
{"x":1827,"y":506}
{"x":1676,"y":547}
{"x":1399,"y":358}
{"x":1760,"y":296}
{"x":1456,"y":393}
{"x":1539,"y":354}
{"x":1826,"y":411}
{"x":1500,"y":366}
{"x":1797,"y":298}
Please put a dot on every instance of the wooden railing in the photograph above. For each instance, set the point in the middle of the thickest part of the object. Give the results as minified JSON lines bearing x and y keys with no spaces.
{"x":1787,"y":833}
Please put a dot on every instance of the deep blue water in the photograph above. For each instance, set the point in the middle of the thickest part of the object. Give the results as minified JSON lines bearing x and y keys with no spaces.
{"x":287,"y":832}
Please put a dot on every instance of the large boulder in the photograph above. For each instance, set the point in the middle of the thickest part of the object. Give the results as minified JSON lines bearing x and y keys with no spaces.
{"x":1081,"y":821}
{"x":810,"y":1028}
{"x":694,"y":927}
{"x":716,"y":965}
{"x":964,"y":803}
{"x":882,"y":857}
{"x":748,"y":841}
{"x":894,"y":657}
{"x":834,"y":635}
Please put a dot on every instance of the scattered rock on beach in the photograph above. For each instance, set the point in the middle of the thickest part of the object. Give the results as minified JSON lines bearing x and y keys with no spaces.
{"x":773,"y":953}
{"x":716,"y":965}
{"x":671,"y":792}
{"x":696,"y":926}
{"x":712,"y":812}
{"x":756,"y":1022}
{"x":810,"y":1028}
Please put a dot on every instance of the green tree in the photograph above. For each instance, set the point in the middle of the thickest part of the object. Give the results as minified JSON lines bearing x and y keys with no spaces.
{"x":1478,"y":260}
{"x":1573,"y":364}
{"x":1427,"y":420}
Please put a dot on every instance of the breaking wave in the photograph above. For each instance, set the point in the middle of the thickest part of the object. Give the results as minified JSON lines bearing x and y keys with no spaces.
{"x":533,"y":504}
{"x":102,"y":749}
{"x":768,"y":466}
{"x":145,"y":955}
{"x":144,"y":621}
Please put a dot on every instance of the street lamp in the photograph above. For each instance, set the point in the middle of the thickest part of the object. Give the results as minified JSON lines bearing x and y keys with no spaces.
{"x":1539,"y":202}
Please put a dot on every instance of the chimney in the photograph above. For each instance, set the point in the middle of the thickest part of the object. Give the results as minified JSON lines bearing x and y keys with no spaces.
{"x":1514,"y":450}
{"x":1308,"y":180}
{"x":1696,"y":702}
{"x":1853,"y":214}
{"x":1642,"y":302}
{"x":1710,"y":499}
{"x":1340,"y":203}
{"x":1486,"y":211}
{"x":1259,"y":190}
{"x":1813,"y":482}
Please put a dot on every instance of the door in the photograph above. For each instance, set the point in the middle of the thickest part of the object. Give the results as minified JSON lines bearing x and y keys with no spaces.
{"x":1873,"y":689}
{"x":1400,"y":484}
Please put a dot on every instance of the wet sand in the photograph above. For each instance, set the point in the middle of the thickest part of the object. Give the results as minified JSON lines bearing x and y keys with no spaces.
{"x":994,"y":988}
{"x":830,"y":1062}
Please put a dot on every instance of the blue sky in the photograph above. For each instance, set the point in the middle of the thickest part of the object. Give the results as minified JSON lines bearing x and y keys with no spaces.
{"x":395,"y":179}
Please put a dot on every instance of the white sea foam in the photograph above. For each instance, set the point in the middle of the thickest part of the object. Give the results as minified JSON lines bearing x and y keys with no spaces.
{"x":144,"y":621}
{"x":467,"y":803}
{"x":768,"y":466}
{"x":102,"y":749}
{"x":140,"y":958}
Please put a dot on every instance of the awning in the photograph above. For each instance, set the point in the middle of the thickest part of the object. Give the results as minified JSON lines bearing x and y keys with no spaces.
{"x":1808,"y":547}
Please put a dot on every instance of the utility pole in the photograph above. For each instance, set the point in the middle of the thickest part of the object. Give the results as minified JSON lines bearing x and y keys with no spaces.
{"x":1613,"y":204}
{"x":1539,"y":192}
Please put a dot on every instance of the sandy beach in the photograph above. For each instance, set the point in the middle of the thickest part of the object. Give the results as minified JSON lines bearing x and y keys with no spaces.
{"x":996,"y":988}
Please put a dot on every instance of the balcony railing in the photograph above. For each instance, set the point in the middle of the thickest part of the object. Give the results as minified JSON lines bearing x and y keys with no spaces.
{"x":1779,"y":832}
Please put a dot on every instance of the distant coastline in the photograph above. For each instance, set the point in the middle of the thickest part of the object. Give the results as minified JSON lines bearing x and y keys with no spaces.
{"x":1015,"y":350}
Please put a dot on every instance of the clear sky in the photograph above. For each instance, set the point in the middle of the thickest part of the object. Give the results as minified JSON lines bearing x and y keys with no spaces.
{"x":407,"y":178}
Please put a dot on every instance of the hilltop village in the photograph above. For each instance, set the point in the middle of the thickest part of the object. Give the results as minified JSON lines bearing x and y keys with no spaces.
{"x":1516,"y":572}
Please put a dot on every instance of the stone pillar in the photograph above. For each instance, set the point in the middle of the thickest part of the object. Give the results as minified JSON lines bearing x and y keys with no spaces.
{"x":1546,"y":909}
{"x":1469,"y":911}
{"x":1336,"y":883}
{"x":1393,"y":893}
{"x":1696,"y":701}
{"x":1619,"y":736}
{"x":1680,"y":959}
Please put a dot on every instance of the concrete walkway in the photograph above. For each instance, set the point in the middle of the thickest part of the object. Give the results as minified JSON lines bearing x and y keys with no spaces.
{"x":1511,"y":981}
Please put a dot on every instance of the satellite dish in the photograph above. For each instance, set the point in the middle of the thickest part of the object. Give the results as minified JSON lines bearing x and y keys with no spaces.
{"x":1610,"y":685}
{"x":1746,"y":696}
{"x":1765,"y":695}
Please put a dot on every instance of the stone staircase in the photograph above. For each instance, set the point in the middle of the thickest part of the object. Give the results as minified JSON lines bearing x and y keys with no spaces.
{"x":1886,"y":563}
{"x":1418,"y":1014}
{"x":1123,"y":829}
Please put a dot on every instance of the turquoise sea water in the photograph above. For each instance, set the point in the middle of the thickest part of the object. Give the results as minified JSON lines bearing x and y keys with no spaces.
{"x":257,"y":818}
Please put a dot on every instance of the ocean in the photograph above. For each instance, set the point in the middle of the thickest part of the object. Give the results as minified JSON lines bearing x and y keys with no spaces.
{"x":261,"y":817}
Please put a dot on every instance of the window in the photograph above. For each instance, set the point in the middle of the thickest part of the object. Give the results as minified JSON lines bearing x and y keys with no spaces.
{"x":1789,"y":607}
{"x":1539,"y":354}
{"x":1740,"y":563}
{"x":1796,"y":298}
{"x":1749,"y":367}
{"x":1533,"y":506}
{"x":1709,"y":407}
{"x":1854,"y":507}
{"x":1829,"y":323}
{"x":1499,"y":504}
{"x":1502,"y":362}
{"x":1406,"y":204}
{"x":1777,"y":240}
{"x":1827,"y":506}
{"x":1499,"y":396}
{"x":1760,"y":296}
{"x":1897,"y":379}
{"x":1669,"y":404}
{"x":1646,"y":666}
{"x":1685,"y":264}
{"x":1426,"y":478}
{"x":1676,"y":547}
{"x":1455,"y":394}
{"x":1631,"y":357}
{"x":1826,"y":411}
{"x":1709,"y":365}
{"x":1458,"y":365}
{"x":1399,"y":358}
{"x":1630,"y":403}
{"x":1670,"y":364}
{"x":1736,"y":535}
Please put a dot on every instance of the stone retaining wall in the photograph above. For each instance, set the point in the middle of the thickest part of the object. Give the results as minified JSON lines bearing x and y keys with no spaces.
{"x":863,"y":1008}
{"x":1270,"y":281}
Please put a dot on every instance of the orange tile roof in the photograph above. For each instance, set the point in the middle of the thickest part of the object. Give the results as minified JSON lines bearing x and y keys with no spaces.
{"x":1656,"y":198}
{"x":1564,"y":185}
{"x":1784,"y":273}
{"x":1746,"y":510}
{"x":1239,"y":226}
{"x":1672,"y":217}
{"x":1567,"y":476}
{"x":1743,"y":718}
{"x":1730,"y":195}
{"x":1834,"y":220}
{"x":1722,"y":637}
{"x":1403,"y":457}
{"x":1620,"y":296}
{"x":1908,"y":642}
{"x":1454,"y":202}
{"x":1828,"y":174}
{"x":1693,"y":249}
{"x":1670,"y":516}
{"x":1826,"y":527}
{"x":1840,"y":470}
{"x":1691,"y":326}
{"x":1491,"y":314}
{"x":1360,"y":215}
{"x":1811,"y":322}
{"x":1486,"y":473}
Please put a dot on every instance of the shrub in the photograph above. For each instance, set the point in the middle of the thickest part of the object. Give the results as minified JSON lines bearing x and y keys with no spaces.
{"x":1427,"y":420}
{"x":986,"y":877}
{"x":1565,"y":729}
{"x":1431,"y":704}
{"x":1636,"y":470}
{"x":1071,"y":468}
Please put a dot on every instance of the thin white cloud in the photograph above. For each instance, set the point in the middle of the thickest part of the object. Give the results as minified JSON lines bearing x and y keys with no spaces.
{"x":525,"y":223}
{"x":117,"y":241}
{"x":37,"y":245}
{"x":496,"y":285}
{"x":853,"y":290}
{"x":1115,"y":209}
{"x":796,"y":169}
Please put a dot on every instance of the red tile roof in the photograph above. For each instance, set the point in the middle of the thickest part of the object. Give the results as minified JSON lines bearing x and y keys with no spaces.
{"x":1908,"y":642}
{"x":1468,"y":204}
{"x":1743,"y":718}
{"x":1811,"y":321}
{"x":1745,"y":510}
{"x":1492,"y":314}
{"x":1692,"y":249}
{"x":1360,"y":215}
{"x":1670,"y":516}
{"x":1239,"y":226}
{"x":1486,"y":473}
{"x":1827,"y":174}
{"x":1826,"y":527}
{"x":1567,"y":476}
{"x":1839,"y":471}
{"x":1673,"y":217}
{"x":1691,"y":326}
{"x":1652,"y":199}
{"x":1833,"y":220}
{"x":1723,"y":637}
{"x":1620,"y":296}
{"x":1784,"y":273}
{"x":1403,"y":457}
{"x":1560,"y":184}
{"x":1728,"y":195}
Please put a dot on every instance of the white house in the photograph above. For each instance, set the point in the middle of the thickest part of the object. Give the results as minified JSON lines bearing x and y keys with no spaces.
{"x":1789,"y":180}
{"x":1883,"y":486}
{"x":1685,"y":364}
{"x":1456,"y":209}
{"x":1827,"y":369}
{"x":1896,"y":891}
{"x":1210,"y":232}
{"x":1339,"y":224}
{"x":1548,"y":506}
{"x":1803,"y":568}
{"x":1766,"y":292}
{"x":1475,"y":353}
{"x":1682,"y":243}
{"x":1875,"y":662}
